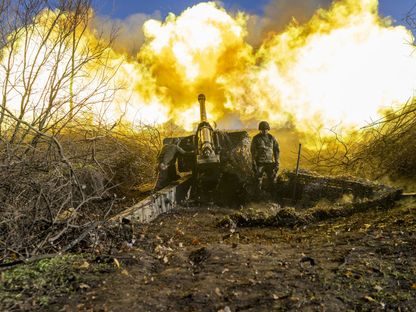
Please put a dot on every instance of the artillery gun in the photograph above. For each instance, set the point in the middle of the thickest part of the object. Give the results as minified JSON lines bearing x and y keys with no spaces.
{"x":212,"y":155}
{"x":220,"y":163}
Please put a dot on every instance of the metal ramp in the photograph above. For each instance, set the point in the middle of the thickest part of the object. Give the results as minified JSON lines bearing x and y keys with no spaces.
{"x":160,"y":202}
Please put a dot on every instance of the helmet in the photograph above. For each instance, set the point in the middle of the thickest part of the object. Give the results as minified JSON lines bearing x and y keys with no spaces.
{"x":264,"y":125}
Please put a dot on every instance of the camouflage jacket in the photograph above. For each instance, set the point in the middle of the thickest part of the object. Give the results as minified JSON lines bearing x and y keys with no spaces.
{"x":169,"y":153}
{"x":264,"y":149}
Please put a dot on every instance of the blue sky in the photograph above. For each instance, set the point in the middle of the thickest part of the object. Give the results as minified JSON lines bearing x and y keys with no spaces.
{"x":123,"y":8}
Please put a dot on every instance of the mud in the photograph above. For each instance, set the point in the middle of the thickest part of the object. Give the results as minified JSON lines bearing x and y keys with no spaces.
{"x":183,"y":261}
{"x":272,"y":214}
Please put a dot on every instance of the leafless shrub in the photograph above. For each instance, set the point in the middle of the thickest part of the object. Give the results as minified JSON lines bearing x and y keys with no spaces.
{"x":410,"y":17}
{"x":45,"y":204}
{"x":390,"y":145}
{"x":60,"y":169}
{"x":333,"y":152}
{"x":384,"y":148}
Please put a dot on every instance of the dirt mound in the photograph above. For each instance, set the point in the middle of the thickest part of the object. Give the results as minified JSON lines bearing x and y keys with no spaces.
{"x":272,"y":214}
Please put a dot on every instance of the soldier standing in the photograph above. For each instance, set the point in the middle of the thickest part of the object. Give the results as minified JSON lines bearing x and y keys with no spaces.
{"x":265,"y":154}
{"x":167,"y":163}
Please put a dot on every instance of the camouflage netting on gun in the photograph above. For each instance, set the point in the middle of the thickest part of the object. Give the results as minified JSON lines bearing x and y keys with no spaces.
{"x":309,"y":188}
{"x":235,"y":168}
{"x":327,"y":197}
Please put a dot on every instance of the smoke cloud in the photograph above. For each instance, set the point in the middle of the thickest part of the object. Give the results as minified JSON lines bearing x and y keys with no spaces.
{"x":344,"y":65}
{"x":310,"y":65}
{"x":127,"y":33}
{"x":278,"y":14}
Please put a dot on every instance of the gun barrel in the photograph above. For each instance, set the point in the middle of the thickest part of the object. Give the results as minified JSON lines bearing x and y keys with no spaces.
{"x":206,"y":145}
{"x":202,"y":108}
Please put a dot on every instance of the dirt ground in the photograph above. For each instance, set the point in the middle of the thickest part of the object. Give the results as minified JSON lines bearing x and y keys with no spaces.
{"x":184,"y":261}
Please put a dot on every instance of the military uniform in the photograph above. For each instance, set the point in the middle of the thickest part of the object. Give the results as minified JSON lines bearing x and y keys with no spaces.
{"x":265,"y":154}
{"x":167,"y":164}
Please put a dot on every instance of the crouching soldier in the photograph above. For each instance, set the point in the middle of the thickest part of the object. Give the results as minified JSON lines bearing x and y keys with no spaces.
{"x":167,"y":163}
{"x":265,"y":155}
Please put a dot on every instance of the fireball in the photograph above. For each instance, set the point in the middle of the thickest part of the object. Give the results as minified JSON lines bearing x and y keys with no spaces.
{"x":343,"y":67}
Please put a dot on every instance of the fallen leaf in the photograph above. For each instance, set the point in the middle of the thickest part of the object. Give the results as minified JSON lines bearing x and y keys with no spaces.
{"x":84,"y":265}
{"x":349,"y":274}
{"x":84,"y":286}
{"x":370,"y":299}
{"x":117,"y":263}
{"x":66,"y":214}
{"x":125,"y":272}
{"x":218,"y":292}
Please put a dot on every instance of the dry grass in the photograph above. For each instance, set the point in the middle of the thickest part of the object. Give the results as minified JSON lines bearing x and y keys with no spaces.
{"x":49,"y":203}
